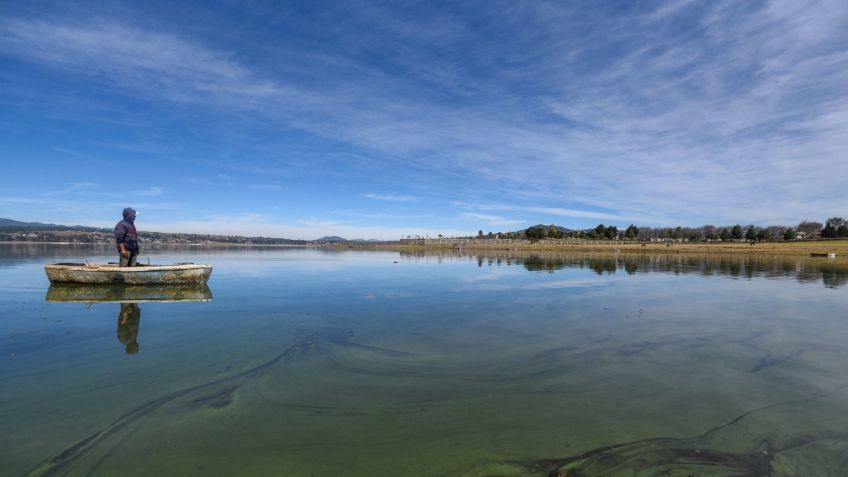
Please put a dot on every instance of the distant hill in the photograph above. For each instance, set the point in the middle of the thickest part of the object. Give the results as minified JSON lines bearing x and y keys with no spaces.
{"x":19,"y":225}
{"x":337,"y":239}
{"x":561,"y":229}
{"x":16,"y":230}
{"x":12,"y":230}
{"x":546,"y":226}
{"x":331,"y":239}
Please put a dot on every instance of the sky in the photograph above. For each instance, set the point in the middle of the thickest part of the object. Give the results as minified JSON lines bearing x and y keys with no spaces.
{"x":387,"y":119}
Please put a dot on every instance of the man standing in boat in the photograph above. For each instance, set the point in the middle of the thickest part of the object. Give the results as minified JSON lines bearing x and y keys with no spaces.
{"x":127,"y":239}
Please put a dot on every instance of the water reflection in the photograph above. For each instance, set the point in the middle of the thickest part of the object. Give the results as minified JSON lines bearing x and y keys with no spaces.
{"x":129,"y":297}
{"x":79,"y":293}
{"x":831,"y":273}
{"x":129,"y":319}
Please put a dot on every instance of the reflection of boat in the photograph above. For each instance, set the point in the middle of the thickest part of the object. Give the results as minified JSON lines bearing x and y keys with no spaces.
{"x":138,"y":275}
{"x":828,"y":255}
{"x":76,"y":292}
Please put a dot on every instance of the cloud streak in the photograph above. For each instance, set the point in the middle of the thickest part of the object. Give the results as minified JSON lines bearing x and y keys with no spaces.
{"x":492,"y":220}
{"x":76,"y":186}
{"x":391,"y":197}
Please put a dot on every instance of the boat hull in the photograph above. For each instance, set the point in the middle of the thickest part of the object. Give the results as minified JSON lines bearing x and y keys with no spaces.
{"x":142,"y":275}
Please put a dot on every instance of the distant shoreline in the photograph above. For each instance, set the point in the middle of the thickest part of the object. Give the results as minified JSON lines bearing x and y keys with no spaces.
{"x":146,"y":245}
{"x":806,"y":247}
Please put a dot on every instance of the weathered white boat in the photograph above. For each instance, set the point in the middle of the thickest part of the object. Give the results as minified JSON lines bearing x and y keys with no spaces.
{"x":138,"y":275}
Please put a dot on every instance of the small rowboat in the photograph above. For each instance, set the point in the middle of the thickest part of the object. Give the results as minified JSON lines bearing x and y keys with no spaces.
{"x":138,"y":275}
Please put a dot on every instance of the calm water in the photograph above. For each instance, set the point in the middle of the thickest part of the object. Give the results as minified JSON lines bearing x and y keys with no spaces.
{"x":317,"y":363}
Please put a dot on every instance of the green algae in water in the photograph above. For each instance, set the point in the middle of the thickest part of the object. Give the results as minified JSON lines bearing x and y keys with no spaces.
{"x":455,"y":369}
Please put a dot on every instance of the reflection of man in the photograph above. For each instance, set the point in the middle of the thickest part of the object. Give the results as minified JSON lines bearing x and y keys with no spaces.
{"x":128,"y":322}
{"x":126,"y":239}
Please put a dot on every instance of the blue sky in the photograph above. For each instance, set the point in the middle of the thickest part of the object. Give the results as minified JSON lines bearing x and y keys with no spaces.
{"x":379,"y":120}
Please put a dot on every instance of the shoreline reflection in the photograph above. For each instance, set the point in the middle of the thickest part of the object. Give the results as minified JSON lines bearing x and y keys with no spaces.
{"x":830,"y":273}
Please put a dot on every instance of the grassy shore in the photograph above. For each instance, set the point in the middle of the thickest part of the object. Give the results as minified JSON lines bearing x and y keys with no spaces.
{"x":805,"y":247}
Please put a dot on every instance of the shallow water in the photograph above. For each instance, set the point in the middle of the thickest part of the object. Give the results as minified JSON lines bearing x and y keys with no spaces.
{"x":312,"y":362}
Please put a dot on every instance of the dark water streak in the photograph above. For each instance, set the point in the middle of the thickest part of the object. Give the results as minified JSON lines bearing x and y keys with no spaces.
{"x":303,"y":341}
{"x":665,"y":453}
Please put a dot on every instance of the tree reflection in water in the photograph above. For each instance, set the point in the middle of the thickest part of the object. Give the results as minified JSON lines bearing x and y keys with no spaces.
{"x":831,"y":273}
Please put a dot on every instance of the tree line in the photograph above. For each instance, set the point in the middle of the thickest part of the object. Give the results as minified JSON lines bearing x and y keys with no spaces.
{"x":834,"y":227}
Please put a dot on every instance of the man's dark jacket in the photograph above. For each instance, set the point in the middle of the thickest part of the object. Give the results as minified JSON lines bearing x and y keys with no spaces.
{"x":125,"y":233}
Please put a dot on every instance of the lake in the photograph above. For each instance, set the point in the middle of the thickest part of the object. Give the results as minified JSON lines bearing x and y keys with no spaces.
{"x":316,"y":362}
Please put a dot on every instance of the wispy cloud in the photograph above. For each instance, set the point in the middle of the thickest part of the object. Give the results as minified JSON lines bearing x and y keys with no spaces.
{"x":76,"y":186}
{"x":225,"y":180}
{"x":391,"y":197}
{"x":177,"y":69}
{"x":150,"y":191}
{"x":538,"y":211}
{"x":381,"y":216}
{"x":495,"y":220}
{"x":22,"y":200}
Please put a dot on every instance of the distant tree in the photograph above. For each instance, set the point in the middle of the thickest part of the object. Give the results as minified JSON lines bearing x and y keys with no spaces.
{"x":776,"y":231}
{"x":600,"y":231}
{"x":829,"y":231}
{"x":695,"y":235}
{"x":553,"y":232}
{"x":831,"y":228}
{"x":479,"y":233}
{"x":724,"y":235}
{"x":736,"y":232}
{"x":491,"y":235}
{"x":632,"y":232}
{"x":764,"y":235}
{"x":809,"y":229}
{"x":535,"y":233}
{"x":611,"y":232}
{"x":842,"y":231}
{"x":790,"y":234}
{"x":751,"y":234}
